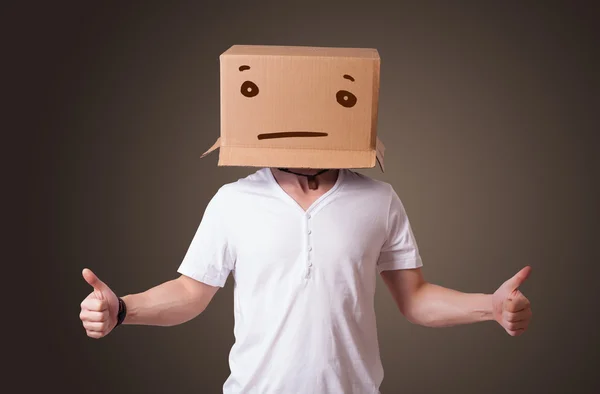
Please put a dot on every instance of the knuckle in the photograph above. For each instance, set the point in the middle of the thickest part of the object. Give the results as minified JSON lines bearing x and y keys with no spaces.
{"x":94,"y":334}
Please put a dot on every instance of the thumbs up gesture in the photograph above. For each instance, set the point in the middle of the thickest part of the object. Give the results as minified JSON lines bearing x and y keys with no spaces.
{"x":512,"y":309}
{"x":99,"y":309}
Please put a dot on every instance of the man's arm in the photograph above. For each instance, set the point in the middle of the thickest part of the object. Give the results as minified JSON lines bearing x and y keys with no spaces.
{"x":170,"y":303}
{"x":431,"y":305}
{"x":204,"y":269}
{"x":174,"y":302}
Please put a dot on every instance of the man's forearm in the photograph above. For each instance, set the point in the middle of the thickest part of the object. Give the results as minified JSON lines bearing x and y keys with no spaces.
{"x":167,"y":304}
{"x":435,"y":306}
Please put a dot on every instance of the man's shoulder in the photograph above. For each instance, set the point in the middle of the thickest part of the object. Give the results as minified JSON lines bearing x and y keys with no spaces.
{"x":257,"y":180}
{"x":364,"y":183}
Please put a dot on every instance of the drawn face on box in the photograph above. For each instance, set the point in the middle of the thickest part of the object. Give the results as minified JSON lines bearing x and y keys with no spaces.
{"x":307,"y":102}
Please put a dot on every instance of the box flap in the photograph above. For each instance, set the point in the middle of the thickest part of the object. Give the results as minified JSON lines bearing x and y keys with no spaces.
{"x":380,"y":151}
{"x":380,"y":148}
{"x":215,"y":146}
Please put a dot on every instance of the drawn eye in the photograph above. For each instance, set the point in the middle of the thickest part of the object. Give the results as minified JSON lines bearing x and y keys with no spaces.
{"x":249,"y":89}
{"x":345,"y":98}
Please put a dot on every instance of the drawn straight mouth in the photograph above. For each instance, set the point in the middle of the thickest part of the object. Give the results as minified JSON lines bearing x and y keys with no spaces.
{"x":291,"y":134}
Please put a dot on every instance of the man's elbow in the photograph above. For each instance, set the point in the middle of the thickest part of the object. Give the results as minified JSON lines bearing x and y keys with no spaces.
{"x":416,"y":311}
{"x":413,"y":306}
{"x":412,"y":316}
{"x":197,"y":294}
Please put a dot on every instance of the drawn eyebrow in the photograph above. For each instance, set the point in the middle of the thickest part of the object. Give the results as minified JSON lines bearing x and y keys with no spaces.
{"x":348,"y":77}
{"x":244,"y":67}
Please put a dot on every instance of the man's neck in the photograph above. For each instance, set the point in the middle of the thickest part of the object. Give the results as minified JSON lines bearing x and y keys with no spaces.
{"x":325,"y":181}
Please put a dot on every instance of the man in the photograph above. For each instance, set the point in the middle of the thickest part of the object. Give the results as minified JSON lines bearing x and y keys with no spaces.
{"x":304,"y":243}
{"x":304,"y":315}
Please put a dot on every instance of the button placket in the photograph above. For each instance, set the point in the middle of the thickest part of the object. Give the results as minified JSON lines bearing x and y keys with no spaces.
{"x":309,"y":247}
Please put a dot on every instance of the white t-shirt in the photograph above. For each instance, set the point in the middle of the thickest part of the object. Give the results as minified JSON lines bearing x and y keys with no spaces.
{"x":304,"y":280}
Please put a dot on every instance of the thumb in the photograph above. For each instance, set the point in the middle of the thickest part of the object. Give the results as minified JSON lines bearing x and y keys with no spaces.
{"x":94,"y":281}
{"x":517,"y":280}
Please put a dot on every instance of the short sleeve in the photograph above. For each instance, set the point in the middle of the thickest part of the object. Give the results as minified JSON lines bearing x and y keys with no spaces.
{"x":400,"y":250}
{"x":209,"y":258}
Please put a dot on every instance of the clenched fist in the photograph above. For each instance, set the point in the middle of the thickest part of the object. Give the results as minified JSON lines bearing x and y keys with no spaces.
{"x":512,"y":309}
{"x":99,"y":309}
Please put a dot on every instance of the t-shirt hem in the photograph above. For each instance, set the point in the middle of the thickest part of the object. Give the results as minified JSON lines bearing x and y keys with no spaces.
{"x":206,"y":279}
{"x":409,"y":263}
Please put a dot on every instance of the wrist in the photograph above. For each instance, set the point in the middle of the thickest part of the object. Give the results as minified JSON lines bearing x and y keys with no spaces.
{"x":131,"y":309}
{"x":122,"y":312}
{"x":485,"y":308}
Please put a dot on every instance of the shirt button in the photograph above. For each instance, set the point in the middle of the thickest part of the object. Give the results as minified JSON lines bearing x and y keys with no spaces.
{"x":310,"y":248}
{"x":310,"y":264}
{"x":310,"y":231}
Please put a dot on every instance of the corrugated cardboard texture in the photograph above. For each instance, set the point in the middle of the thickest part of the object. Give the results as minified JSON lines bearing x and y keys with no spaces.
{"x":299,"y":107}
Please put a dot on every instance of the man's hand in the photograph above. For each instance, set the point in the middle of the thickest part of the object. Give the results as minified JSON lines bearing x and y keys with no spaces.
{"x":99,"y":309}
{"x":511,"y":308}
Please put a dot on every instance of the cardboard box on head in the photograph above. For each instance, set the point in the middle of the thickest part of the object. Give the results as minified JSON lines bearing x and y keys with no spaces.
{"x":299,"y":107}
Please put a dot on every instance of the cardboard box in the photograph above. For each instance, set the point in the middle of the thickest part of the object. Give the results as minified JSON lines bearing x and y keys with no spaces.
{"x":299,"y":107}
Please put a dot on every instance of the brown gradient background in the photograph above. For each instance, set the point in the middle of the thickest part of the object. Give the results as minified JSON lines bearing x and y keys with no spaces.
{"x":487,"y":112}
